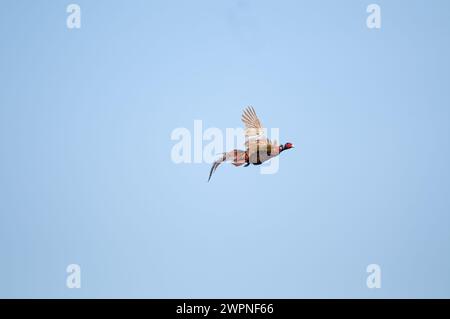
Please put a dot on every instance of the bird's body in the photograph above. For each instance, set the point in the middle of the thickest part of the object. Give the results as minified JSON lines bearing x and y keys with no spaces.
{"x":259,"y":149}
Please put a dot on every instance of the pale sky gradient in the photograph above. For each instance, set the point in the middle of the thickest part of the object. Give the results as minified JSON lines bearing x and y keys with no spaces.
{"x":85,"y":169}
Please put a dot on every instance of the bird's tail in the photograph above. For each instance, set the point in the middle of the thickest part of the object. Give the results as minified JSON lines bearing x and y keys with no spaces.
{"x":216,"y":164}
{"x":237,"y":158}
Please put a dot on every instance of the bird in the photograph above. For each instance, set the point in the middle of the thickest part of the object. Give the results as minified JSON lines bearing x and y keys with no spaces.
{"x":258,"y":148}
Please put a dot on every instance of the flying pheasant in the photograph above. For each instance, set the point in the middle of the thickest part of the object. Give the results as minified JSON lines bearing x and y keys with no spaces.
{"x":258,"y":148}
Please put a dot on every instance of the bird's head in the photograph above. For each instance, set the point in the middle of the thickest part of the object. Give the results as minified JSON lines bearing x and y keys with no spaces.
{"x":286,"y":146}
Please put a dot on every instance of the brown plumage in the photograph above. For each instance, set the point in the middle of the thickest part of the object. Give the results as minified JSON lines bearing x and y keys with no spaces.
{"x":258,"y":148}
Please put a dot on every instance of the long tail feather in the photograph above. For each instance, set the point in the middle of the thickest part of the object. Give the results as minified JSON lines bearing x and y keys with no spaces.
{"x":236,"y":157}
{"x":216,"y":164}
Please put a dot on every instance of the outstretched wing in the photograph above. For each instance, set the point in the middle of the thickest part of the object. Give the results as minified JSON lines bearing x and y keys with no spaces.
{"x":254,"y":131}
{"x":252,"y":123}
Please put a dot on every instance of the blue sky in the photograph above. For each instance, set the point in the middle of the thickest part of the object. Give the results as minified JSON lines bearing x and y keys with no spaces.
{"x":86,"y":175}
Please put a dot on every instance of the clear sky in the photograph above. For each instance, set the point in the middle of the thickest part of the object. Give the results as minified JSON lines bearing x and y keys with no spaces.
{"x":86,"y":175}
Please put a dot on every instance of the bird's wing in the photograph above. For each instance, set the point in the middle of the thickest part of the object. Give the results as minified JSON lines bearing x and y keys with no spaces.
{"x":254,"y":131}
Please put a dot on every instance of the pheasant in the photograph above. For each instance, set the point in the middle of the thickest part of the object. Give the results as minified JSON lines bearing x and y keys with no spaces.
{"x":258,"y":148}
